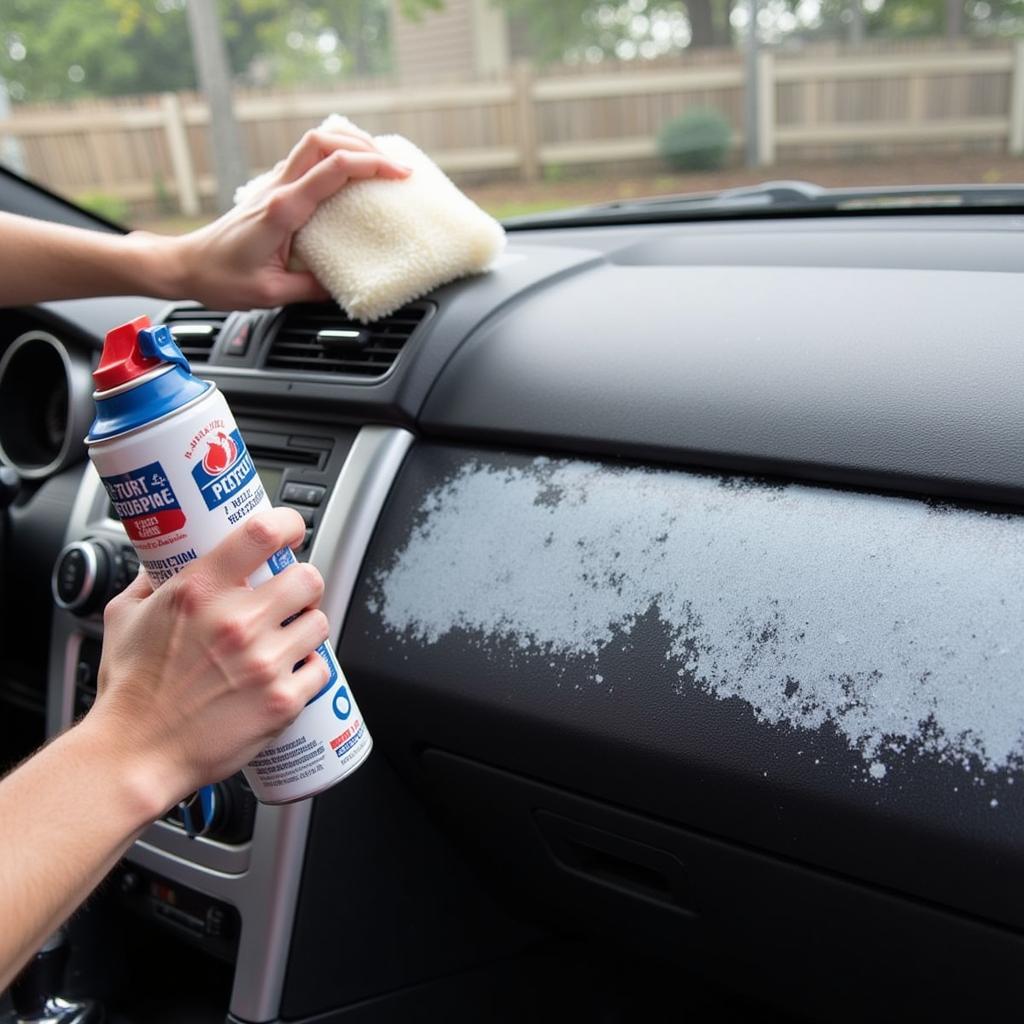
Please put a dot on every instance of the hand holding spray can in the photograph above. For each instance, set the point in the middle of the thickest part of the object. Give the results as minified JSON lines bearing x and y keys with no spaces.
{"x":179,"y":477}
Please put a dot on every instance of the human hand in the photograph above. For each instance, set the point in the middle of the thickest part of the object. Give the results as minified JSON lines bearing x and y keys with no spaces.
{"x":241,"y":259}
{"x":196,"y":677}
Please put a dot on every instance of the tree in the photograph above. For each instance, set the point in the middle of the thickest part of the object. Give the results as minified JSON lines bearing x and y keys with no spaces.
{"x":702,"y":29}
{"x":286,"y":42}
{"x":593,"y":30}
{"x":905,"y":19}
{"x":54,"y":50}
{"x":954,"y":18}
{"x":229,"y":162}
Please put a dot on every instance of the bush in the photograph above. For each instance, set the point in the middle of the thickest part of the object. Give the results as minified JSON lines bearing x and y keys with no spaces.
{"x":105,"y":205}
{"x":165,"y":204}
{"x":554,"y":173}
{"x":696,"y":141}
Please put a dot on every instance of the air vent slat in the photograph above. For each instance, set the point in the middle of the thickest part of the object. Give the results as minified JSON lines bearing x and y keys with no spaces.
{"x":199,"y":330}
{"x":334,"y":365}
{"x":302,"y":343}
{"x":287,"y":346}
{"x":182,"y":314}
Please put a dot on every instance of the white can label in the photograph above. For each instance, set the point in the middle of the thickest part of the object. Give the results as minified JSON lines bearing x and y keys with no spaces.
{"x":224,"y":471}
{"x":145,"y":502}
{"x":179,"y":487}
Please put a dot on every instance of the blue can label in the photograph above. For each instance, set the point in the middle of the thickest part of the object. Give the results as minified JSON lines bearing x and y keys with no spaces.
{"x":145,"y":502}
{"x":278,"y":562}
{"x":328,"y":655}
{"x":225,"y":469}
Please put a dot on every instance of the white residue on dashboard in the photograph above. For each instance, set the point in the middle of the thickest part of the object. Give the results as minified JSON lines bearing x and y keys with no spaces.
{"x":896,"y":622}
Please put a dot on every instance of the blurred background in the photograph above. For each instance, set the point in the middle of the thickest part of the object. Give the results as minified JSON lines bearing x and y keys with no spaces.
{"x":150,"y":112}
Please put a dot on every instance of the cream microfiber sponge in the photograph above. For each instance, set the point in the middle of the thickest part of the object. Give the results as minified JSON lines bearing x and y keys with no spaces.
{"x":377,"y":244}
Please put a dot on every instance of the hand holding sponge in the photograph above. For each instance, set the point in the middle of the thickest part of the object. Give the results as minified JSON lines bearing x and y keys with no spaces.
{"x":377,"y":243}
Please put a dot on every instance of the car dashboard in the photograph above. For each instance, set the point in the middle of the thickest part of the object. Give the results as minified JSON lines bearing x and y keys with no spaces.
{"x":676,"y":568}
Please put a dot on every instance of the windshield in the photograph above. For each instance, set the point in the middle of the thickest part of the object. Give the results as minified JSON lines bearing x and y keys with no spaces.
{"x":151,"y":112}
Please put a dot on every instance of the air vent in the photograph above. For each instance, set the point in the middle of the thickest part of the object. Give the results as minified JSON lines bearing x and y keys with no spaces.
{"x":319,"y":338}
{"x":195,"y":330}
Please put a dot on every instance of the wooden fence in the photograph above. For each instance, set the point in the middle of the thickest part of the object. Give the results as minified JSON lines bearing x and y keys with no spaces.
{"x":152,"y":151}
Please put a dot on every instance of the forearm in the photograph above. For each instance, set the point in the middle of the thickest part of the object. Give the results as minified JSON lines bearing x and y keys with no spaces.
{"x":69,"y":813}
{"x":41,"y":261}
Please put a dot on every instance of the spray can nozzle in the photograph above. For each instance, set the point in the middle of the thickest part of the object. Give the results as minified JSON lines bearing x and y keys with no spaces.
{"x":158,"y":343}
{"x":133,"y":350}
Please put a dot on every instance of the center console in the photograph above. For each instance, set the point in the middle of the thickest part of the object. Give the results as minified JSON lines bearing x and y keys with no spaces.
{"x":231,"y":892}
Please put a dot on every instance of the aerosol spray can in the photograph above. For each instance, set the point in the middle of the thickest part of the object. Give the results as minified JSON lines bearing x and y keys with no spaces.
{"x":180,"y":479}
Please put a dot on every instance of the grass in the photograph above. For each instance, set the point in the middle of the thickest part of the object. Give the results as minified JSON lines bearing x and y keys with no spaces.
{"x":521,"y":208}
{"x":172,"y":225}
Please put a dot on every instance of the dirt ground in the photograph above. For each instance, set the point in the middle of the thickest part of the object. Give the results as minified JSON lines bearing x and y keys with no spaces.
{"x":510,"y":198}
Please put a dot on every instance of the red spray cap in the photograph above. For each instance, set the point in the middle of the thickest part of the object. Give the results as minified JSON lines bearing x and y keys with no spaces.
{"x":122,"y":359}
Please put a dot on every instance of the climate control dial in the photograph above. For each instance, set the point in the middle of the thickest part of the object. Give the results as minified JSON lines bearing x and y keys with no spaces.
{"x":88,"y":573}
{"x":81,"y":575}
{"x":224,"y":811}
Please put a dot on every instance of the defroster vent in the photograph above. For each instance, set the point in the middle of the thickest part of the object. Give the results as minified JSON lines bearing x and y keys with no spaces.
{"x":319,"y":338}
{"x":195,"y":330}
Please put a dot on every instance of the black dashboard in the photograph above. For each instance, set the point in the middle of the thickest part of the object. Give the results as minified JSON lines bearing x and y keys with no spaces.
{"x":677,"y":569}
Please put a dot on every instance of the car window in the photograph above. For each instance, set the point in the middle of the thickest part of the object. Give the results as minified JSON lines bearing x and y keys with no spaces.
{"x":529,"y":105}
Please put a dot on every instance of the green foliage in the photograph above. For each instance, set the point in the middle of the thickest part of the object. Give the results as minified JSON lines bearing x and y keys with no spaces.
{"x":104,"y":205}
{"x":554,"y":172}
{"x":594,"y":30}
{"x":165,"y":203}
{"x":908,"y":19}
{"x":414,"y":10}
{"x":522,"y":207}
{"x":292,"y":42}
{"x":52,"y":50}
{"x":65,"y":49}
{"x":698,"y":140}
{"x":56,"y":50}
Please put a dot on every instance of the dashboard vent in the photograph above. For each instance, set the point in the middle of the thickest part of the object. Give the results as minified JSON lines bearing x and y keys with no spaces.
{"x":319,"y":338}
{"x":195,"y":330}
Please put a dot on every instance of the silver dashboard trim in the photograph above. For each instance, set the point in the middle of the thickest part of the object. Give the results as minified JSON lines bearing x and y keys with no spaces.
{"x":261,"y":878}
{"x":227,"y":858}
{"x":339,"y":546}
{"x":352,"y":511}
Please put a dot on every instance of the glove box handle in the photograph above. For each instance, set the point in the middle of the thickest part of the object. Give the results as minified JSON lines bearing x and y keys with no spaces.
{"x":615,"y":862}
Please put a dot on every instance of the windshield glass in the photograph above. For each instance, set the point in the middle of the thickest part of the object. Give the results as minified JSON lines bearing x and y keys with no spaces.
{"x":151,"y":112}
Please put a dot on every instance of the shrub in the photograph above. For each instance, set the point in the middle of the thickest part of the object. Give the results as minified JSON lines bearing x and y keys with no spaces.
{"x":696,"y":141}
{"x":165,"y":204}
{"x":105,"y":205}
{"x":554,"y":172}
